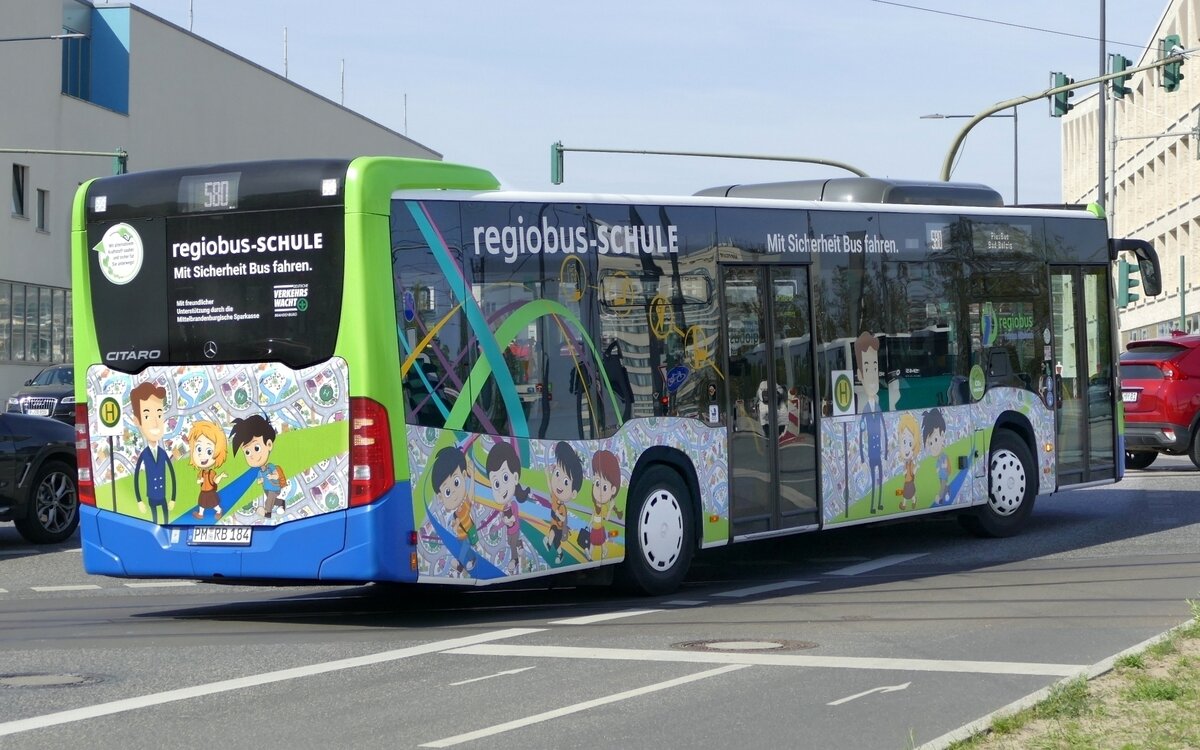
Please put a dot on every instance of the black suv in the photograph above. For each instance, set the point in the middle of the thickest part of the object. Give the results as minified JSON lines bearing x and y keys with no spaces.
{"x":51,"y":393}
{"x":39,"y":489}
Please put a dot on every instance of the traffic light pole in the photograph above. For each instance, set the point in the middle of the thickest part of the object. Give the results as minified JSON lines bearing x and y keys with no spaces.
{"x":120,"y":156}
{"x":557,"y":150}
{"x":948,"y":163}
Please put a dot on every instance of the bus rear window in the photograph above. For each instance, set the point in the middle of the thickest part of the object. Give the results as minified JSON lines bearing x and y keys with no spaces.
{"x":213,"y":288}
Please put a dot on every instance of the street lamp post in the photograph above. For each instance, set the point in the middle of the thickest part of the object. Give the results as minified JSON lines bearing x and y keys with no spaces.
{"x":937,"y":116}
{"x":73,"y":35}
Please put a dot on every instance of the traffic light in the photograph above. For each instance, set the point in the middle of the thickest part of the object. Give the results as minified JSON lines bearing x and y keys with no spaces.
{"x":556,"y":162}
{"x":1117,"y":64}
{"x":1059,"y":105}
{"x":1127,"y":274}
{"x":1171,"y":75}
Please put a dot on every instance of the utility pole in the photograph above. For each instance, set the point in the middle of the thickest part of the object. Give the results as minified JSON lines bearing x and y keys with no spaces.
{"x":1100,"y":112}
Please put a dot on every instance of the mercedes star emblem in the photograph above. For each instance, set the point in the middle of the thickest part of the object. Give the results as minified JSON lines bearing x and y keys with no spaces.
{"x":210,"y":349}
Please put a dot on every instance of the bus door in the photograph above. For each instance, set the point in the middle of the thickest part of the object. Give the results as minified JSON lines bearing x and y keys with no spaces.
{"x":769,"y":396}
{"x":1083,"y":374}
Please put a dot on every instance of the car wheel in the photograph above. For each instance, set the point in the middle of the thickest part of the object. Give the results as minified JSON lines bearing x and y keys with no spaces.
{"x":1011,"y":482}
{"x":1194,"y":449}
{"x":1141,"y":459}
{"x":54,"y":507}
{"x":661,"y":536}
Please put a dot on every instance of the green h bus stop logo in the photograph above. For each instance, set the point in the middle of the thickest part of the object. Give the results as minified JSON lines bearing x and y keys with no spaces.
{"x":109,"y":412}
{"x":843,"y":393}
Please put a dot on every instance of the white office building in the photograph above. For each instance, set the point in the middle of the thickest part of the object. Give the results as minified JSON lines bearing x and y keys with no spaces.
{"x":125,"y":79}
{"x":1152,"y":174}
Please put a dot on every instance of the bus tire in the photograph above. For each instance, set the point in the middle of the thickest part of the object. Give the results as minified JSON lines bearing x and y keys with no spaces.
{"x":660,"y":532}
{"x":1011,"y":493}
{"x":53,"y":512}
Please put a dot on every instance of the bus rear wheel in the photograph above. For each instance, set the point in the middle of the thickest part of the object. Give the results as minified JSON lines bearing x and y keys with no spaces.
{"x":661,"y":533}
{"x":1011,"y":493}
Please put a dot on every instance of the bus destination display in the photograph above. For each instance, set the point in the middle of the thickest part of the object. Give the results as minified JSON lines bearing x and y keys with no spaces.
{"x":209,"y":192}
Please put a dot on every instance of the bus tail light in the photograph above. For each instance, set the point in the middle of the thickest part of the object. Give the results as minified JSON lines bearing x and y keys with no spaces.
{"x":83,"y":457}
{"x":371,"y":470}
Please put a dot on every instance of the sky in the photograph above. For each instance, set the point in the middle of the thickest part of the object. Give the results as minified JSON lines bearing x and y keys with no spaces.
{"x":494,"y":84}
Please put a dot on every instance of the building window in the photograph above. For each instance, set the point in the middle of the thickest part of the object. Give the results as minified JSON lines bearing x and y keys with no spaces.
{"x":20,"y":178}
{"x":76,"y":72}
{"x":35,"y":323}
{"x":43,"y":205}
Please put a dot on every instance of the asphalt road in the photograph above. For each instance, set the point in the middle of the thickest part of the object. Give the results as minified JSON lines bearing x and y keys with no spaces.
{"x":878,"y":637}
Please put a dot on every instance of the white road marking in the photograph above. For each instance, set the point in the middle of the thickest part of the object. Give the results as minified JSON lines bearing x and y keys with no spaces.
{"x":685,"y":603}
{"x":488,"y":677}
{"x":85,"y":587}
{"x":884,"y":689}
{"x":870,"y":565}
{"x":158,"y":584}
{"x":775,"y":660}
{"x":576,"y":708}
{"x":589,"y":619}
{"x":3,"y":591}
{"x":765,"y":588}
{"x":239,"y":683}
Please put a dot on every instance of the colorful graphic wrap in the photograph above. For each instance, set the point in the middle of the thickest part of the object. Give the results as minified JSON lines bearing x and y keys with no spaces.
{"x":242,"y":445}
{"x":483,"y":512}
{"x":919,"y":457}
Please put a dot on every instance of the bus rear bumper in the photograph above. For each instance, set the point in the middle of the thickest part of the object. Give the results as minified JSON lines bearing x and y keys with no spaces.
{"x":356,"y":545}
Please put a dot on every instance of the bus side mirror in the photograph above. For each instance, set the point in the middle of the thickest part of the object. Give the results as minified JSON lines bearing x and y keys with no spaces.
{"x":1147,"y":259}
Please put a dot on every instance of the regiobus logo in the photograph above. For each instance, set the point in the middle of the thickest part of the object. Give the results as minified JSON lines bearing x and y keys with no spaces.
{"x":616,"y":239}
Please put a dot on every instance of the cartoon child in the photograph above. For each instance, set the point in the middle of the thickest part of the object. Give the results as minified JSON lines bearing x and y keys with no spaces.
{"x":565,"y":478}
{"x":909,"y":441}
{"x":866,"y":348}
{"x":149,"y":411}
{"x":933,"y":434}
{"x":606,"y":482}
{"x":206,"y":443}
{"x":504,"y":472}
{"x":454,"y":489}
{"x":255,"y":436}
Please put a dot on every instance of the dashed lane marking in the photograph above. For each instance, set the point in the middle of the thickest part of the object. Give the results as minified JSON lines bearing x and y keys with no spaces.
{"x":603,"y":617}
{"x":870,"y":565}
{"x":48,"y":589}
{"x":765,"y":588}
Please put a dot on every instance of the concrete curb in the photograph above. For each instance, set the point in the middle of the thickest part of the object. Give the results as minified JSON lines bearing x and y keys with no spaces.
{"x":983,"y":723}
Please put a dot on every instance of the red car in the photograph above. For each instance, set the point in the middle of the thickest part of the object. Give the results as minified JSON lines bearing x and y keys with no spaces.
{"x":1160,"y":385}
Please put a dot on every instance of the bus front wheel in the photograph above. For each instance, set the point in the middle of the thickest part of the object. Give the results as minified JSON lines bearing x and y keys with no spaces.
{"x":660,"y":533}
{"x":1011,"y":489}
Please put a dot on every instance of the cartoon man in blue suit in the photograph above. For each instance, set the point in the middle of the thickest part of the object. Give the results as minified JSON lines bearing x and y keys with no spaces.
{"x":866,"y":348}
{"x":149,"y":402}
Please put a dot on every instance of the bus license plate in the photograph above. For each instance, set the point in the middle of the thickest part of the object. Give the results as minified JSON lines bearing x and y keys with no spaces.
{"x":1129,"y":397}
{"x":221,"y":535}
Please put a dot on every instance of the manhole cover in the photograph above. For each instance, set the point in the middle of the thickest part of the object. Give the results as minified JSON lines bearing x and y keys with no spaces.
{"x":45,"y":680}
{"x":779,"y":645}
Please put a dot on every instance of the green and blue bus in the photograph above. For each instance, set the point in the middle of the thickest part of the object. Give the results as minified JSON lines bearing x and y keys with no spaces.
{"x":395,"y":370}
